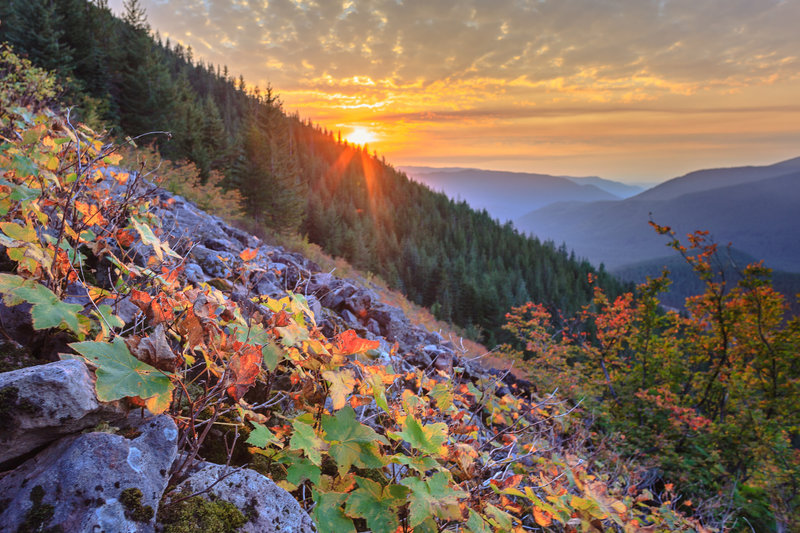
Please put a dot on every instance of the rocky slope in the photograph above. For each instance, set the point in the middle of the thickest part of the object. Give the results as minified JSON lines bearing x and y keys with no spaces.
{"x":78,"y":481}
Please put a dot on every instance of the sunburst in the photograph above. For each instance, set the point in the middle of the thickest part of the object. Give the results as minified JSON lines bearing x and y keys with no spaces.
{"x":361,"y":136}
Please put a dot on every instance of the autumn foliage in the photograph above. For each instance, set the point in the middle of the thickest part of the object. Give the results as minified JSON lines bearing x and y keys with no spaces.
{"x":707,"y":396}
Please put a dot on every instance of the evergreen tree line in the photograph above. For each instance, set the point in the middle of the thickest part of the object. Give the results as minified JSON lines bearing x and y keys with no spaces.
{"x":295,"y":176}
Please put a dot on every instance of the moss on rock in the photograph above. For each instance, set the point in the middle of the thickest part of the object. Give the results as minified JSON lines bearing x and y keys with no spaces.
{"x":39,"y":515}
{"x":131,"y":500}
{"x":198,"y":515}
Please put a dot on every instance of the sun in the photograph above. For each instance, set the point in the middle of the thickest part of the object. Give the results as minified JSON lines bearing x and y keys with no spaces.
{"x":360,"y":135}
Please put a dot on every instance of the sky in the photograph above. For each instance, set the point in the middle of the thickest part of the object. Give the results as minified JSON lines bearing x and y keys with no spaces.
{"x":632,"y":90}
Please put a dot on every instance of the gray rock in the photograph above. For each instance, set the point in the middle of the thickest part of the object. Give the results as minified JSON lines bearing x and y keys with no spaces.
{"x":314,"y":305}
{"x":269,"y":508}
{"x":373,"y":326}
{"x":243,"y":237}
{"x":124,"y":308}
{"x":360,"y":301}
{"x":265,"y":283}
{"x":16,"y":321}
{"x":39,"y":404}
{"x":441,"y":357}
{"x":90,"y":482}
{"x":222,"y":245}
{"x":322,"y":283}
{"x":215,"y":264}
{"x":350,"y":318}
{"x":194,"y":273}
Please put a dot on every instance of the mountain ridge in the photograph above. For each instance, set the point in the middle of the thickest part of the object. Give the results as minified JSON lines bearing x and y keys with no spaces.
{"x":505,"y":195}
{"x":756,"y":213}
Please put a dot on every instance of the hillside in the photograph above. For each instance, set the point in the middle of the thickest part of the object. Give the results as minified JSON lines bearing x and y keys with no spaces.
{"x":506,"y":195}
{"x":757,"y":214}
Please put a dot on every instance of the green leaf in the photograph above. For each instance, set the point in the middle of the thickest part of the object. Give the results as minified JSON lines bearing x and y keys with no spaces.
{"x":378,"y":391}
{"x":352,"y":443}
{"x":9,"y":283}
{"x":427,"y":439}
{"x":48,"y":311}
{"x":443,"y":394}
{"x":328,"y":513}
{"x":19,"y":233}
{"x":273,"y":355}
{"x":149,"y":238}
{"x":476,"y":523}
{"x":305,"y":438}
{"x":376,"y":504}
{"x":119,"y":374}
{"x":432,"y":498}
{"x":260,"y":436}
{"x":302,"y":469}
{"x":421,"y":464}
{"x":501,"y":519}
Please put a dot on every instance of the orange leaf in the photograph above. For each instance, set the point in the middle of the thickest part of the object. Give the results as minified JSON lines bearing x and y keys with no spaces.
{"x":358,"y":401}
{"x":244,"y":369}
{"x":124,"y":237}
{"x":542,"y":517}
{"x":349,"y":343}
{"x":512,"y":481}
{"x":248,"y":254}
{"x":141,"y":299}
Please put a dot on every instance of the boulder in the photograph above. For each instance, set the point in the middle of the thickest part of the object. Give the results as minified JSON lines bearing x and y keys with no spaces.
{"x":350,"y":319}
{"x":41,"y":403}
{"x":92,"y":482}
{"x":360,"y":301}
{"x":222,"y":245}
{"x":215,"y":264}
{"x":267,"y":507}
{"x":265,"y":283}
{"x":194,"y":273}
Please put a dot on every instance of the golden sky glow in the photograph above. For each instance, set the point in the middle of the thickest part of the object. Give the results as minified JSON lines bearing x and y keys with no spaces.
{"x":636,"y":90}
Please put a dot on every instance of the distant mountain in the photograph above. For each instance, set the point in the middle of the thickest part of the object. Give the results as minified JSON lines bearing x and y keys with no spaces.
{"x":506,"y":195}
{"x":756,"y":209}
{"x":705,"y":180}
{"x":621,"y":190}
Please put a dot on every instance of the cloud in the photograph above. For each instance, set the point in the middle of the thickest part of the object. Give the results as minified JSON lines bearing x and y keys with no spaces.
{"x":490,"y":64}
{"x":579,"y":41}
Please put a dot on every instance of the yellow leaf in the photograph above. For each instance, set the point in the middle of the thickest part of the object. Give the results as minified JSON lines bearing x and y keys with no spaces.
{"x":342,"y":384}
{"x":619,"y":507}
{"x":159,"y":403}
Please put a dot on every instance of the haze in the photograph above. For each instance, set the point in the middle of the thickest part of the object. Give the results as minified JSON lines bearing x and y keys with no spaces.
{"x":633,"y":90}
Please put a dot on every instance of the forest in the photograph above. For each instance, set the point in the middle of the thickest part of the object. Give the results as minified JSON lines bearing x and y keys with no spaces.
{"x":295,"y":177}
